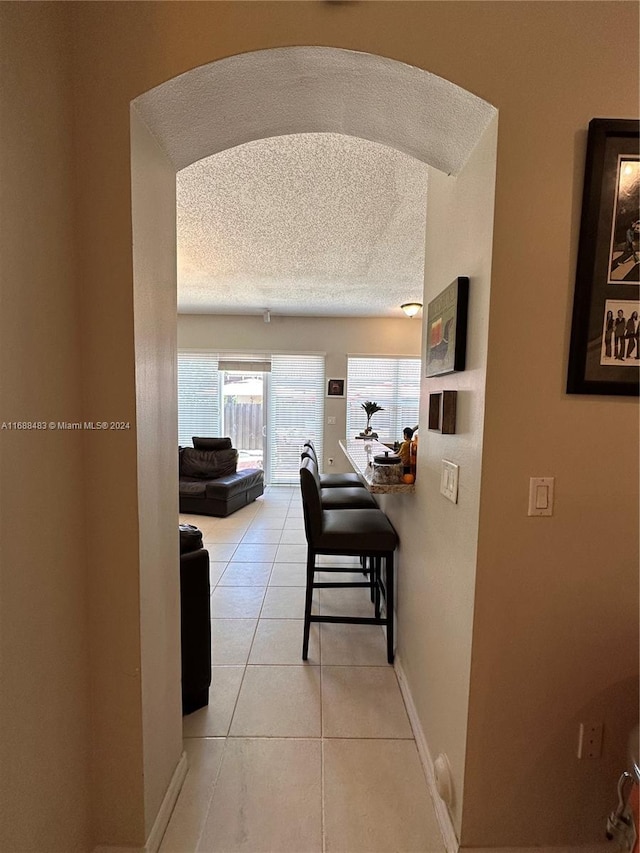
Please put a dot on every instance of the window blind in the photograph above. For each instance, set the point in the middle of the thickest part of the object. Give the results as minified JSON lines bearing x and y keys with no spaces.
{"x":296,"y":412}
{"x":393,"y":383}
{"x":198,"y":396}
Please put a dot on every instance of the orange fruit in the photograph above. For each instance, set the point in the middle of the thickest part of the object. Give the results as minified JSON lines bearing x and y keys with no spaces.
{"x":408,"y":478}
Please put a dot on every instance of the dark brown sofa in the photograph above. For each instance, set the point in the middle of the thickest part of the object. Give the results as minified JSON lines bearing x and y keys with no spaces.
{"x":195,"y":620}
{"x":209,"y":482}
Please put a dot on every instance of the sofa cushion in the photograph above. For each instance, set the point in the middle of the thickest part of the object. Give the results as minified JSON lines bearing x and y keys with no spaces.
{"x":211,"y":443}
{"x":207,"y":464}
{"x":233,"y":484}
{"x":192,"y":488}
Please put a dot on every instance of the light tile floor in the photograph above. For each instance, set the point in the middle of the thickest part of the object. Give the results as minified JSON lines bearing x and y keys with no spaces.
{"x":294,"y":757}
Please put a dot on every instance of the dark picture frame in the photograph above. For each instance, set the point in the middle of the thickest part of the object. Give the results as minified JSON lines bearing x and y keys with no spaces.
{"x":446,"y":341}
{"x":603,"y":353}
{"x":335,"y":387}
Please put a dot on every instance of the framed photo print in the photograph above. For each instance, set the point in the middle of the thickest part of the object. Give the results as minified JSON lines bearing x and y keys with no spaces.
{"x":604,"y":356}
{"x":447,"y":329}
{"x":335,"y":387}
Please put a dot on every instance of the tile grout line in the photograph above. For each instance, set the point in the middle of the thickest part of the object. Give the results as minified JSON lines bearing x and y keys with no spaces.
{"x":213,"y":792}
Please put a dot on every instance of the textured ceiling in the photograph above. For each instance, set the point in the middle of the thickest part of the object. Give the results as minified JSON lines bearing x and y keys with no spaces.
{"x":301,"y":209}
{"x":316,"y":224}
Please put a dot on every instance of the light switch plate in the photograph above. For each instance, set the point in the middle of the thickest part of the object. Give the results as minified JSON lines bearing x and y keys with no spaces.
{"x":331,"y":419}
{"x":449,"y":481}
{"x":541,"y":495}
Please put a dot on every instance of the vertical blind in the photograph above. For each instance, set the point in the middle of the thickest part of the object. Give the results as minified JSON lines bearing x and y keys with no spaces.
{"x":198,"y":395}
{"x":296,"y":412}
{"x":393,"y":383}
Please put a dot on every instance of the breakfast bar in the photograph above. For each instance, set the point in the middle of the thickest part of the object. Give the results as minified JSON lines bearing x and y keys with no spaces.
{"x":360,"y":453}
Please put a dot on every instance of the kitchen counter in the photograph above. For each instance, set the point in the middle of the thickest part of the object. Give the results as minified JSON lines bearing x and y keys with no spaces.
{"x":360,"y":453}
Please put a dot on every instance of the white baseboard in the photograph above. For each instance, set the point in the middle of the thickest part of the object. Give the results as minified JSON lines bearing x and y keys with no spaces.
{"x":166,"y":808}
{"x":442,"y":812}
{"x":107,"y":848}
{"x":162,"y":818}
{"x":603,"y":847}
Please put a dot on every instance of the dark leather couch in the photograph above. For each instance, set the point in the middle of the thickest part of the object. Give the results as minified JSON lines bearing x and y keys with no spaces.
{"x":209,"y":482}
{"x":195,"y":620}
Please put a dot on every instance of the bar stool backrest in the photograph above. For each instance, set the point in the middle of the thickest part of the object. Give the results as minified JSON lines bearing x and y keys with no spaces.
{"x":307,"y":453}
{"x":310,"y":449}
{"x":311,"y":503}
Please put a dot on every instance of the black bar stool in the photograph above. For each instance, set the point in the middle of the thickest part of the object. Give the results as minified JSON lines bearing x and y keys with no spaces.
{"x":346,"y":497}
{"x":364,"y":533}
{"x":332,"y":481}
{"x":340,"y":497}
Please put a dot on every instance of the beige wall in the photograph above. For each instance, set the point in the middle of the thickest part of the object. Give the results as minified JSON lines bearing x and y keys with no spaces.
{"x":105,"y":273}
{"x":554,"y":643}
{"x":44,"y":713}
{"x":154,"y":266}
{"x":337,"y":337}
{"x":438,"y":539}
{"x":556,"y":618}
{"x":542,"y":585}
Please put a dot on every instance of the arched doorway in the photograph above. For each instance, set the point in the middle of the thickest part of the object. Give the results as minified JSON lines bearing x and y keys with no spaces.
{"x":218,"y":106}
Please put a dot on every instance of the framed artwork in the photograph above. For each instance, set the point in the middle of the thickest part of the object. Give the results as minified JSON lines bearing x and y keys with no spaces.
{"x":604,"y":350}
{"x":335,"y":387}
{"x":447,"y":329}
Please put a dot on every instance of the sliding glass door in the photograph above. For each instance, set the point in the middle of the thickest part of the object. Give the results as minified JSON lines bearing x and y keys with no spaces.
{"x":268,"y":407}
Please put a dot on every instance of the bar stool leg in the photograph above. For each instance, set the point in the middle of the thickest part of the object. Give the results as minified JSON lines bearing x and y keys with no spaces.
{"x":389,"y":594}
{"x":372,"y":578}
{"x":376,"y":563}
{"x":311,"y":569}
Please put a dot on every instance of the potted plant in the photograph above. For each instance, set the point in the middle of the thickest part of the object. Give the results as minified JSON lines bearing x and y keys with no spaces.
{"x":370,"y":408}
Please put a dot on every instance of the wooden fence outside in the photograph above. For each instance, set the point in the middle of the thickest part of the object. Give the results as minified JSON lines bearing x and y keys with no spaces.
{"x":243,"y":424}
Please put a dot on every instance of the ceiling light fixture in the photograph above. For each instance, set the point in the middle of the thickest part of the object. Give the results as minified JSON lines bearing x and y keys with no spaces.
{"x":411,"y":308}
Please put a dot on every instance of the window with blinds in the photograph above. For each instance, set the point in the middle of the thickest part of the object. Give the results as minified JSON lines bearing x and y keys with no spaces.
{"x":393,"y":383}
{"x":199,"y":395}
{"x":296,"y":412}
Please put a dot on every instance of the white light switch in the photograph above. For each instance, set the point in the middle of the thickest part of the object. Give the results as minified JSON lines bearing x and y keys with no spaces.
{"x":541,"y":495}
{"x":449,"y":481}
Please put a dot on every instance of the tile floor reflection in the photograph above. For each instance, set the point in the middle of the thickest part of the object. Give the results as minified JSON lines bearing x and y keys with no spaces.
{"x":306,"y":757}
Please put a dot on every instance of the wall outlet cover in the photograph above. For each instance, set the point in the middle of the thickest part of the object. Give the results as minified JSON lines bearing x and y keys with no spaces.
{"x":590,"y":740}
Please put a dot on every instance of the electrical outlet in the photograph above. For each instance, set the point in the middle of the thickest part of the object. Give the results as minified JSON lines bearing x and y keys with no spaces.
{"x":330,"y":460}
{"x":590,"y":740}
